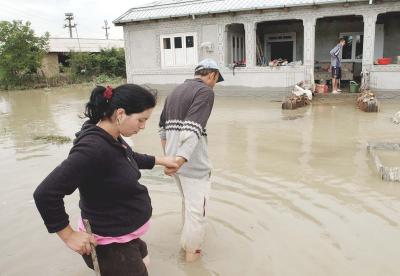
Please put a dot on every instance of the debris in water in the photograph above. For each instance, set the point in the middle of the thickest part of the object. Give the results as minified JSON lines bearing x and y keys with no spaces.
{"x":55,"y":139}
{"x":386,"y":173}
{"x":396,"y":118}
{"x":367,"y":101}
{"x":294,"y":102}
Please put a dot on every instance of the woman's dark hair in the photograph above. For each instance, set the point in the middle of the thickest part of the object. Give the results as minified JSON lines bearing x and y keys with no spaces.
{"x":131,"y":97}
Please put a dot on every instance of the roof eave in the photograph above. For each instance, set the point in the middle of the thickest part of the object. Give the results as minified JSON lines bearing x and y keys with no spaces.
{"x":120,"y":22}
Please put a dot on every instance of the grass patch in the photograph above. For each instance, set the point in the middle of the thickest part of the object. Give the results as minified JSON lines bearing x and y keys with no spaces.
{"x":54,"y":139}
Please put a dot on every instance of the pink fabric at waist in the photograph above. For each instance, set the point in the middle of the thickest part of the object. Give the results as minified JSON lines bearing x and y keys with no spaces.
{"x":121,"y":239}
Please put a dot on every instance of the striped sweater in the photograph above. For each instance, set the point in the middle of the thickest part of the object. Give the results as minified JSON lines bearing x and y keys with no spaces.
{"x":183,"y":125}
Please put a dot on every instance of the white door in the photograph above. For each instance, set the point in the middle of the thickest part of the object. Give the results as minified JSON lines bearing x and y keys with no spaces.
{"x":179,"y":51}
{"x":168,"y":52}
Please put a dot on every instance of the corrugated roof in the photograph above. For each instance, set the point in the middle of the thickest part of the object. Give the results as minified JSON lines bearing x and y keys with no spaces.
{"x":64,"y":45}
{"x":181,"y":8}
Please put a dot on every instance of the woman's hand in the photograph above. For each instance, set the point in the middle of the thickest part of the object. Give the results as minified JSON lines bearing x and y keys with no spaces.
{"x":171,"y":166}
{"x":77,"y":241}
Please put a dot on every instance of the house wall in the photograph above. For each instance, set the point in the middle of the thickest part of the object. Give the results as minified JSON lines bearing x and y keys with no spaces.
{"x":143,"y":46}
{"x":50,"y":66}
{"x":209,"y":33}
{"x":144,"y":62}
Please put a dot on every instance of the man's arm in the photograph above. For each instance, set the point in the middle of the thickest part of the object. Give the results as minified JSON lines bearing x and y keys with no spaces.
{"x":335,"y":51}
{"x":163,"y":142}
{"x":162,"y":132}
{"x":195,"y":122}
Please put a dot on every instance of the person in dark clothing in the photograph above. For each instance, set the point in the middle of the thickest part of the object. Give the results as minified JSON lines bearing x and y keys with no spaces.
{"x":105,"y":170}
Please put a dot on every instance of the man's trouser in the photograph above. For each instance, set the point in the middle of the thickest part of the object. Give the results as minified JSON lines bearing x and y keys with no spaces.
{"x":195,"y":196}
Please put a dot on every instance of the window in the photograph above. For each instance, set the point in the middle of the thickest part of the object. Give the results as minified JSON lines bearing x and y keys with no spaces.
{"x":189,"y":42}
{"x":353,"y":49}
{"x":167,"y":43}
{"x":238,"y":51}
{"x":280,"y":46}
{"x":178,"y":50}
{"x":178,"y":42}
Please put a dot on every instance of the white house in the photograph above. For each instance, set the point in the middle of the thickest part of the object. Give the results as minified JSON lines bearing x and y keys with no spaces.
{"x":164,"y":40}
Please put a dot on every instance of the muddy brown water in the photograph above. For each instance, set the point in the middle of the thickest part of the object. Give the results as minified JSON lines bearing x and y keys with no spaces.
{"x":294,"y":192}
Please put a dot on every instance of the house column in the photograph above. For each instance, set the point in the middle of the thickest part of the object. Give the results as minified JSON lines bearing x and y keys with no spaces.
{"x":250,"y":38}
{"x":309,"y":48}
{"x":221,"y":47}
{"x":369,"y":40}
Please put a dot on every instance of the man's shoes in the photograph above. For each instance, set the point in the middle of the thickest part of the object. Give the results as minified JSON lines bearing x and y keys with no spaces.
{"x":339,"y":90}
{"x":335,"y":92}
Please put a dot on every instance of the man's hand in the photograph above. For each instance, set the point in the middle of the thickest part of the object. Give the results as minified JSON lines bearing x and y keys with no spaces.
{"x":169,"y":163}
{"x":179,"y":161}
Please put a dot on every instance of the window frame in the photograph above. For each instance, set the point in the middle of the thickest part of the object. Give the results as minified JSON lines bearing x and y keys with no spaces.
{"x":283,"y":37}
{"x":184,"y":48}
{"x":353,"y":46}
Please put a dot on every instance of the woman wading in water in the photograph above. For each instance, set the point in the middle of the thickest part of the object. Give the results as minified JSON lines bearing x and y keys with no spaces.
{"x":105,"y":170}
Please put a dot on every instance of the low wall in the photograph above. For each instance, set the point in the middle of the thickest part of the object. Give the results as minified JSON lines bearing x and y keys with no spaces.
{"x":385,"y":77}
{"x":279,"y":78}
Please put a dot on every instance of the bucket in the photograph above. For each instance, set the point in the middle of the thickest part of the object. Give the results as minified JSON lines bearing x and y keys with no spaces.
{"x":321,"y":88}
{"x":354,"y":87}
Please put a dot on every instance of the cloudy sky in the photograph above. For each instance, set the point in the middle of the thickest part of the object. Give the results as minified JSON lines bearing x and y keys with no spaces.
{"x":48,"y":15}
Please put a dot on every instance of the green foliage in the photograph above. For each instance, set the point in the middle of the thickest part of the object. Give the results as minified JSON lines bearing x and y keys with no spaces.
{"x":112,"y":62}
{"x":21,"y":53}
{"x":109,"y":62}
{"x":55,"y":139}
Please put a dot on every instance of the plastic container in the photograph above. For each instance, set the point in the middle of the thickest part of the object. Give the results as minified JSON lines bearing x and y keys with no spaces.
{"x":384,"y":61}
{"x":321,"y":88}
{"x":354,"y":87}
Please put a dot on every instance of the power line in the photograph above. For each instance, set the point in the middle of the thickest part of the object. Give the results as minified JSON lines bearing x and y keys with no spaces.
{"x":69,"y":17}
{"x":106,"y":28}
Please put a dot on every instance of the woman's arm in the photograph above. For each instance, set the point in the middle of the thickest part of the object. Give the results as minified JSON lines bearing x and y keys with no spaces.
{"x":83,"y":162}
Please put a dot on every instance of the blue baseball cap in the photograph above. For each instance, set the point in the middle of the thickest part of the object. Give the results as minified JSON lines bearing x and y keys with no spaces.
{"x":209,"y":63}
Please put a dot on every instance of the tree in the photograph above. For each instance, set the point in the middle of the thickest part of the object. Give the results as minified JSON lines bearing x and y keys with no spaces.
{"x":21,"y":52}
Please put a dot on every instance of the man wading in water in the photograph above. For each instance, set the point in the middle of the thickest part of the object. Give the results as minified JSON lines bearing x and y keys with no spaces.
{"x":183,"y":135}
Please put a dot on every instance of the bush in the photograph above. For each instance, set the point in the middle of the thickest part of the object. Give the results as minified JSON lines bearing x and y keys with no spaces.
{"x":86,"y":66}
{"x":21,"y":53}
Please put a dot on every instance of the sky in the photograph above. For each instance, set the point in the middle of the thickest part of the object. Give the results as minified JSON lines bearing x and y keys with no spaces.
{"x":89,"y":15}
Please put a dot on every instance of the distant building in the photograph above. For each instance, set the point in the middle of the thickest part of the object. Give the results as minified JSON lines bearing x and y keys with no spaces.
{"x":59,"y":48}
{"x":164,"y":40}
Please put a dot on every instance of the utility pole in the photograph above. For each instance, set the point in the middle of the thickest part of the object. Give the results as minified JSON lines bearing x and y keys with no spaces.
{"x":106,"y":28}
{"x":69,"y":17}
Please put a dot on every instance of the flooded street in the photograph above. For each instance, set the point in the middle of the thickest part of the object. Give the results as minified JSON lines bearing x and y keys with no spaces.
{"x":294,"y":192}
